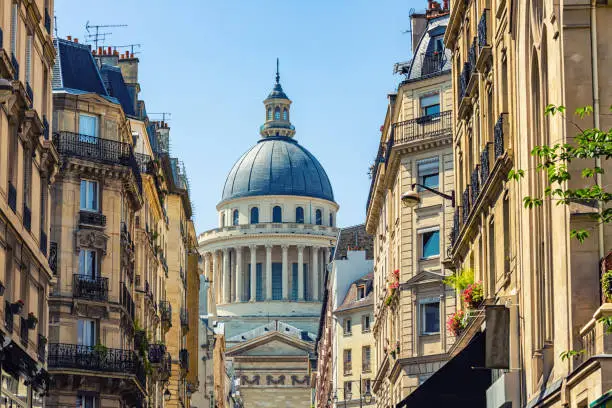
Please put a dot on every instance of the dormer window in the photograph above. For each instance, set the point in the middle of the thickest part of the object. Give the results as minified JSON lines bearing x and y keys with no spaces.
{"x":361,"y":292}
{"x":277,"y":113}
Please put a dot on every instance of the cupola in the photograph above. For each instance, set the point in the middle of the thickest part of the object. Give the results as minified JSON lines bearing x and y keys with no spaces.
{"x":277,"y":112}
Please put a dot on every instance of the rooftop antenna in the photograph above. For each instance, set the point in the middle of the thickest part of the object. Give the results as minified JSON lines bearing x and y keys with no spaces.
{"x":163,"y":114}
{"x":96,"y":28}
{"x":277,"y":74}
{"x":55,"y":24}
{"x":130,"y":46}
{"x":409,"y":31}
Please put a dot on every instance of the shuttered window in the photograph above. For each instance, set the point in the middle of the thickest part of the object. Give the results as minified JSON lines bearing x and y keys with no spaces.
{"x":429,"y":172}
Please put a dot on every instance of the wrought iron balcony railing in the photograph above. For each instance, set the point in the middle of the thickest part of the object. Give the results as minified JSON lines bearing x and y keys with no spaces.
{"x":46,"y":127}
{"x":15,"y":66}
{"x":23,"y":331}
{"x":27,"y":217}
{"x":432,"y":63}
{"x":498,"y":137}
{"x":472,"y":55}
{"x":475,"y":183}
{"x":43,"y":242}
{"x":126,"y":301}
{"x":92,"y":218}
{"x":465,"y":203}
{"x":184,"y":317}
{"x":30,"y":93}
{"x":484,"y":164}
{"x":184,"y":359}
{"x":8,"y":316}
{"x":53,"y":257}
{"x":1,"y":39}
{"x":126,"y":237}
{"x":12,"y":196}
{"x":96,"y":359}
{"x":157,"y":353}
{"x":42,"y":348}
{"x":464,"y":79}
{"x":483,"y":37}
{"x":99,"y":150}
{"x":87,"y":287}
{"x":420,"y":128}
{"x":165,"y":308}
{"x":455,"y":230}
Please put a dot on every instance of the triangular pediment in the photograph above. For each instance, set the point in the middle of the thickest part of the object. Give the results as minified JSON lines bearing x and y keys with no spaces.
{"x":424,"y":277}
{"x":270,"y":344}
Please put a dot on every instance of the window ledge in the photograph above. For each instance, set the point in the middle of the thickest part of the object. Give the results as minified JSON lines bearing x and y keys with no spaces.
{"x":430,"y":334}
{"x":429,"y":258}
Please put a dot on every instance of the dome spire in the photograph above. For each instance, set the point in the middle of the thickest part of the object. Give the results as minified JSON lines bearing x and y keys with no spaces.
{"x":277,"y":112}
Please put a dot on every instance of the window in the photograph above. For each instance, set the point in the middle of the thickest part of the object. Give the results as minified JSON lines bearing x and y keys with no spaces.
{"x":430,"y":316}
{"x":85,"y":401}
{"x":430,"y":104}
{"x":28,"y":61}
{"x":277,"y":281}
{"x":87,"y":332}
{"x":88,"y":263}
{"x":365,"y":323}
{"x":366,"y":386}
{"x":438,"y":42}
{"x":254,"y":215}
{"x":235,"y":217}
{"x":348,"y":390}
{"x":361,"y":292}
{"x":89,"y":195}
{"x":269,"y":114}
{"x":429,"y":172}
{"x":285,"y":114}
{"x":223,"y":219}
{"x":88,"y":128}
{"x":366,"y":353}
{"x":14,"y":23}
{"x":299,"y":215}
{"x":277,"y":214}
{"x":331,"y":219}
{"x":430,"y":244}
{"x":318,"y":217}
{"x":348,"y":363}
{"x":348,"y":330}
{"x":277,"y":113}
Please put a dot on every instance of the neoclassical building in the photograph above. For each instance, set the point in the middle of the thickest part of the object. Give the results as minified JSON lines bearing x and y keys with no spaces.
{"x":266,"y":260}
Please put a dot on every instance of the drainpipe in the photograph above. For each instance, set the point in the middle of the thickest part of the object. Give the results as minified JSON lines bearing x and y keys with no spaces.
{"x":595,"y":74}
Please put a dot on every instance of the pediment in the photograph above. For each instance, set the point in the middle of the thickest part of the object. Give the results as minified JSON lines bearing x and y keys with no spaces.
{"x":422,"y":278}
{"x":271,"y":344}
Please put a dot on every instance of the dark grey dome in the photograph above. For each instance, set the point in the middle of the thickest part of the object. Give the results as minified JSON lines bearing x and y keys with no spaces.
{"x":277,"y":166}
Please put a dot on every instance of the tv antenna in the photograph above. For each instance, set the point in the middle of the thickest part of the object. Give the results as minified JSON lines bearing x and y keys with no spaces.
{"x":409,"y":31}
{"x":55,"y":25}
{"x":130,"y":46}
{"x":96,"y":31}
{"x":163,"y":115}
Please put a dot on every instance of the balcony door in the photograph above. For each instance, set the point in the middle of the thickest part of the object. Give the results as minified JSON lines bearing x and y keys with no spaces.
{"x":88,"y":264}
{"x":87,"y":332}
{"x":88,"y":128}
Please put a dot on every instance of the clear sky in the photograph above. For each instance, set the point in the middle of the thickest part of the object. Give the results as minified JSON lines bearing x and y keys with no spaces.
{"x":211,"y":64}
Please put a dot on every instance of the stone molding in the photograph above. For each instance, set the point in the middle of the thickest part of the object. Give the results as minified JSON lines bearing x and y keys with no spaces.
{"x":90,"y":238}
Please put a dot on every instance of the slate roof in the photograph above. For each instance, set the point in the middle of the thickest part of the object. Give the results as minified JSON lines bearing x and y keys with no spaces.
{"x":114,"y":83}
{"x":275,"y":325}
{"x":351,"y":301}
{"x":76,"y":69}
{"x":277,"y":166}
{"x":277,"y":92}
{"x":355,"y":238}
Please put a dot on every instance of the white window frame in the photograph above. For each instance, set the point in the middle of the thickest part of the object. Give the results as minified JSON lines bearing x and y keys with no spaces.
{"x":420,"y":234}
{"x":422,"y":318}
{"x":84,"y":208}
{"x":365,"y":329}
{"x":361,"y":287}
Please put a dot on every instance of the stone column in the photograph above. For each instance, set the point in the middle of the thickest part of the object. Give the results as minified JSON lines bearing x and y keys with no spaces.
{"x":300,"y":278}
{"x":315,"y":273}
{"x":253,"y":249}
{"x":207,"y":266}
{"x":216,"y":282}
{"x":226,"y":289}
{"x":269,"y":272}
{"x":239,"y":277}
{"x":326,"y":261}
{"x":285,"y":272}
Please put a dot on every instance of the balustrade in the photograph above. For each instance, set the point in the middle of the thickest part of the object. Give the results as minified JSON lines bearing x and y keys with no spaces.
{"x":88,"y":287}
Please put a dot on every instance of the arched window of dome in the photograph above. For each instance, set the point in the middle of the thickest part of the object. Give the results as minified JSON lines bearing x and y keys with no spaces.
{"x":222,"y":219}
{"x":331,"y":219}
{"x":277,"y":214}
{"x":235,"y":218}
{"x":277,"y":113}
{"x":269,"y":116}
{"x":254,"y":215}
{"x":299,"y":215}
{"x":285,"y":114}
{"x":318,"y":217}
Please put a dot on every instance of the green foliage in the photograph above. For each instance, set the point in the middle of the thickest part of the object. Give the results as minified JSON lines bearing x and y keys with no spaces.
{"x":553,"y":160}
{"x":607,"y":322}
{"x":460,"y":280}
{"x":566,"y":355}
{"x":606,"y":284}
{"x":101,"y":350}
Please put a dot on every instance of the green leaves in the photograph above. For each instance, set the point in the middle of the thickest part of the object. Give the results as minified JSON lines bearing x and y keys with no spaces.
{"x":587,"y":110}
{"x":580,"y":235}
{"x":531,"y":202}
{"x":515,"y":175}
{"x":553,"y":109}
{"x":566,"y":355}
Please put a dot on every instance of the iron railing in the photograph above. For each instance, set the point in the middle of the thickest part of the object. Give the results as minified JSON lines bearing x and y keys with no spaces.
{"x":455,"y":230}
{"x":379,"y":159}
{"x":483,"y":40}
{"x":46,"y":127}
{"x":42,"y":349}
{"x":87,"y":287}
{"x":23,"y":331}
{"x":156,"y":353}
{"x":98,"y":149}
{"x":126,"y":301}
{"x":126,"y":237}
{"x":472,"y":54}
{"x":30,"y":93}
{"x":184,"y":317}
{"x":465,"y":203}
{"x":1,"y":39}
{"x":53,"y":257}
{"x":8,"y":316}
{"x":464,"y":79}
{"x":498,"y":137}
{"x":484,"y":164}
{"x":27,"y":217}
{"x":432,"y":63}
{"x":92,"y":218}
{"x":12,"y":196}
{"x":165,"y":370}
{"x":184,"y":359}
{"x":98,"y":359}
{"x":47,"y":21}
{"x":165,"y":309}
{"x":43,"y":242}
{"x":420,"y":128}
{"x":475,"y":180}
{"x":15,"y":66}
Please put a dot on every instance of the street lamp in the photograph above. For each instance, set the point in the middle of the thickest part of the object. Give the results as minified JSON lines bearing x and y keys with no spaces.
{"x":412,"y":198}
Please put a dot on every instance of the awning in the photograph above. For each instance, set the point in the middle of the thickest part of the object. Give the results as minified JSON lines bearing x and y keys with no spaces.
{"x":461,"y":382}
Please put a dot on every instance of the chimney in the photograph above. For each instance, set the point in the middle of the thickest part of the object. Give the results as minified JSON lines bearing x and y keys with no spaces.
{"x":69,"y":37}
{"x":435,"y":10}
{"x":129,"y":70}
{"x":445,"y":7}
{"x":76,"y":40}
{"x":107,"y":56}
{"x":418,"y":21}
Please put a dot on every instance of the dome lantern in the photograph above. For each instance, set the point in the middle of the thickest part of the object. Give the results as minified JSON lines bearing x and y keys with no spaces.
{"x":277,"y":105}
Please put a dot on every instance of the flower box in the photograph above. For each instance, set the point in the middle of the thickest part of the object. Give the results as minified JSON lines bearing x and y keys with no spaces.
{"x":32,"y":321}
{"x":17,"y":306}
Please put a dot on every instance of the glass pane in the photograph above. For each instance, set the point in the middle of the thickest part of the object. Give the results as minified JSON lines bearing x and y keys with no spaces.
{"x":431,"y":315}
{"x":430,"y":100}
{"x":431,"y":110}
{"x":254,"y":215}
{"x":88,"y":125}
{"x":277,"y":281}
{"x":319,"y":217}
{"x":294,"y":281}
{"x":299,"y":215}
{"x":431,"y":244}
{"x":93,"y":195}
{"x":431,"y":180}
{"x":277,"y":215}
{"x":83,"y":194}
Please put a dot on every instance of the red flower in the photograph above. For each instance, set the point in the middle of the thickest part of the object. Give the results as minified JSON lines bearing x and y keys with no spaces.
{"x":473,"y":296}
{"x":21,"y":302}
{"x":456,"y":323}
{"x":396,"y":273}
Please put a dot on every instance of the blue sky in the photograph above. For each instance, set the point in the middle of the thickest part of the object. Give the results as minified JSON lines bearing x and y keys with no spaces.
{"x":211,"y":64}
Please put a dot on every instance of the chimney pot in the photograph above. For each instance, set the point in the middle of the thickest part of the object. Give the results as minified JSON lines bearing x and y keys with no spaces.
{"x":132,"y":55}
{"x":76,"y":40}
{"x":100,"y":50}
{"x":110,"y":51}
{"x":69,"y":37}
{"x":445,"y":4}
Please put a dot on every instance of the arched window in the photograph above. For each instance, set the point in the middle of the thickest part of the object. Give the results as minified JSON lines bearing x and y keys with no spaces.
{"x":223,"y":220}
{"x":269,"y":114}
{"x":299,"y":215}
{"x":285,"y":114}
{"x":254,"y":215}
{"x":277,"y":214}
{"x":318,"y":217}
{"x":277,"y":113}
{"x":235,"y":217}
{"x":331,"y":219}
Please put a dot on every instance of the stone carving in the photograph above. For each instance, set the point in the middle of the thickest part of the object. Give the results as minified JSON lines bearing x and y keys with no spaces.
{"x":53,"y":257}
{"x":86,"y":238}
{"x":254,"y":381}
{"x":271,"y":381}
{"x":304,"y":381}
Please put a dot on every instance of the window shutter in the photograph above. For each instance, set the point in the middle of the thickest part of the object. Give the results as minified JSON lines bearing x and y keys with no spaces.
{"x":429,"y":166}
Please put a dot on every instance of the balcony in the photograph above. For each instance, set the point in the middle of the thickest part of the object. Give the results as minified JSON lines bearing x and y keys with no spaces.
{"x":99,"y":150}
{"x":455,"y":230}
{"x":27,"y":218}
{"x":30,"y":93}
{"x":53,"y":257}
{"x":42,"y":346}
{"x":157,"y":353}
{"x":484,"y":164}
{"x":165,"y":308}
{"x":98,"y":360}
{"x":499,"y":147}
{"x":43,"y":242}
{"x":91,"y":218}
{"x":465,"y":203}
{"x":484,"y":39}
{"x":423,"y":127}
{"x":184,"y":359}
{"x":46,"y":127}
{"x":595,"y":339}
{"x":165,"y":369}
{"x":47,"y":21}
{"x":126,"y":237}
{"x":432,"y":63}
{"x":475,"y":183}
{"x":270,"y":228}
{"x":8,"y":316}
{"x":15,"y":64}
{"x":184,"y":318}
{"x":87,"y":287}
{"x":127,"y":302}
{"x":12,"y":197}
{"x":464,"y":80}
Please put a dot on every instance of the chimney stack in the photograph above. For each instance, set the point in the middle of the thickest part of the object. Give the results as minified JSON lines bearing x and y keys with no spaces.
{"x":69,"y":37}
{"x":76,"y":40}
{"x":129,"y":70}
